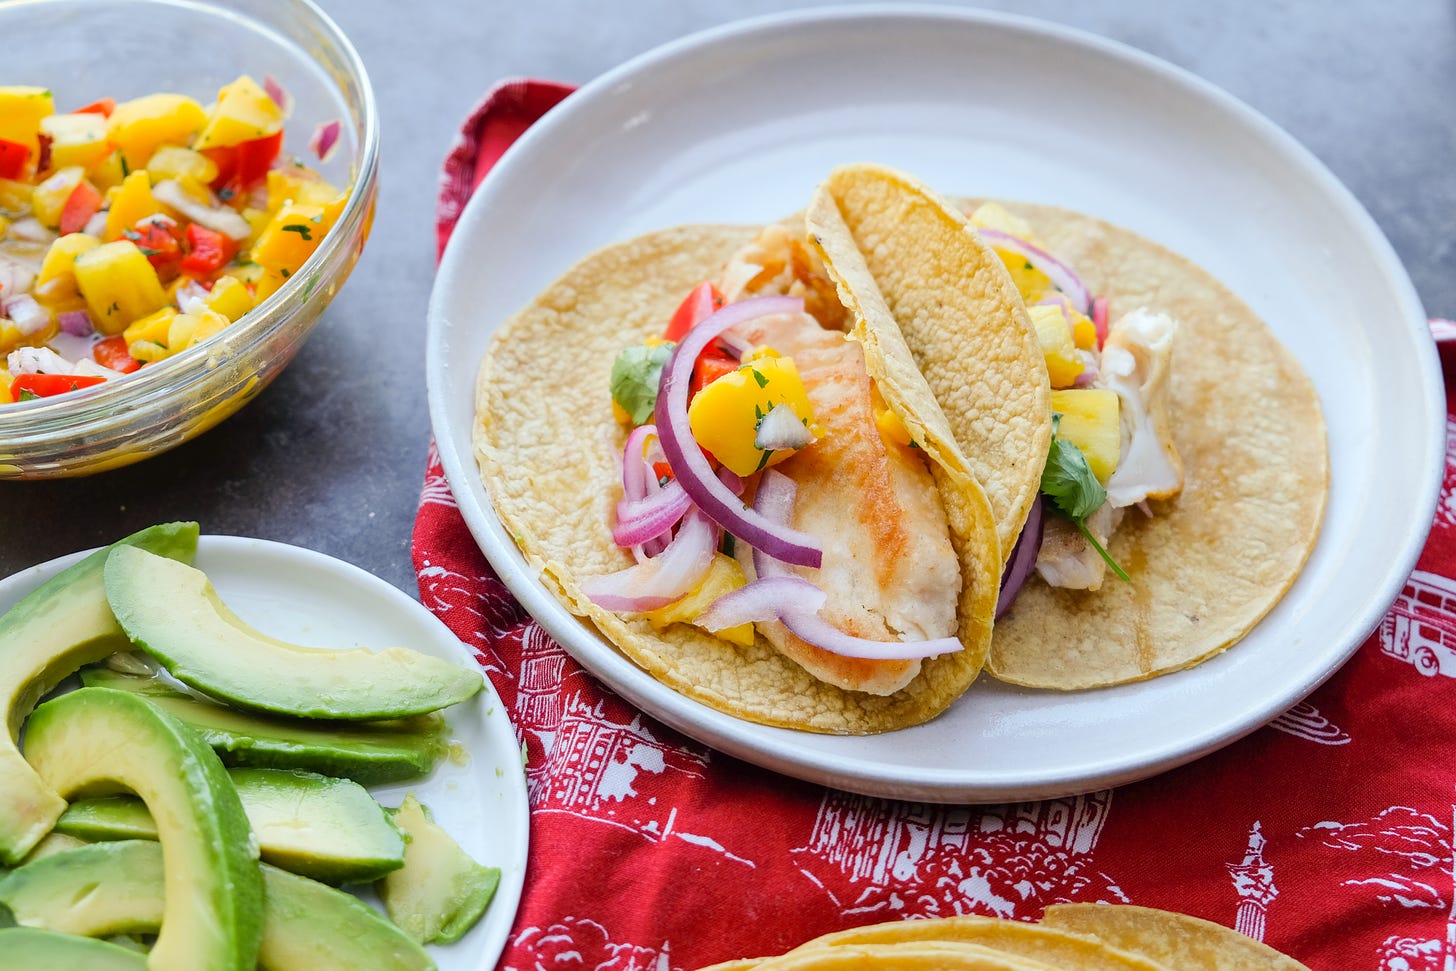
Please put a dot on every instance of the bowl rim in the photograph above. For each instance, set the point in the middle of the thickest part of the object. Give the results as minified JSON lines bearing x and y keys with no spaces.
{"x":36,"y":420}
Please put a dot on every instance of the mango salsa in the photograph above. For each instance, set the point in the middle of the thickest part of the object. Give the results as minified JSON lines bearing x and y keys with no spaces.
{"x":724,"y":576}
{"x":1052,"y":330}
{"x":147,"y":227}
{"x":725,"y":415}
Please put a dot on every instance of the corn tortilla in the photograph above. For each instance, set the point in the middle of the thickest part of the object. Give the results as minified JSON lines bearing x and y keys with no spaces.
{"x":547,"y":446}
{"x":1211,"y":562}
{"x":1177,"y":940}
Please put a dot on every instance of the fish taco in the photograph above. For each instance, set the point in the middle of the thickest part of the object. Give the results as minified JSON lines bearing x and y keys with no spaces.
{"x":784,"y":468}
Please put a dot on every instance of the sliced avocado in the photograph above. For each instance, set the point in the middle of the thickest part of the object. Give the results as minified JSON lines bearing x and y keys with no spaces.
{"x":440,"y":892}
{"x":54,"y":842}
{"x":99,"y":888}
{"x":98,"y":741}
{"x":171,"y":611}
{"x":31,"y":949}
{"x":367,"y":752}
{"x":328,"y":829}
{"x":61,"y":625}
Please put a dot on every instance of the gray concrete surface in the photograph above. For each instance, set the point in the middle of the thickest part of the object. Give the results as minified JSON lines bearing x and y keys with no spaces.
{"x":332,"y":455}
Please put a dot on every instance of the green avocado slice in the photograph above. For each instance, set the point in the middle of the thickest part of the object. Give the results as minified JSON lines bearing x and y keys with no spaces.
{"x":440,"y":892}
{"x":320,"y":827}
{"x":367,"y":752}
{"x":95,"y":741}
{"x":32,"y":949}
{"x":110,"y":888}
{"x":61,"y":625}
{"x":171,"y":611}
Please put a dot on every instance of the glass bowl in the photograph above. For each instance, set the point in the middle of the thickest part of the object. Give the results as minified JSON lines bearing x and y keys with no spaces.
{"x":87,"y":49}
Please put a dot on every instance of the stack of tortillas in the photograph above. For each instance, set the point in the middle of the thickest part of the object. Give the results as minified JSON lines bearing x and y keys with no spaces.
{"x":1070,"y":937}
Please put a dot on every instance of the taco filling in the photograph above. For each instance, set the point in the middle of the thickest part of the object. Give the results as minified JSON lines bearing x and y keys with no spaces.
{"x":767,"y":485}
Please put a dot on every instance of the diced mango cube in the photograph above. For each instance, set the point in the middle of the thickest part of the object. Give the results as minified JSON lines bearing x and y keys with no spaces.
{"x":15,"y":198}
{"x":153,"y":327}
{"x":176,"y":162}
{"x":1063,"y":364}
{"x":109,"y":171}
{"x":189,"y":330}
{"x":298,"y":184}
{"x":10,"y":338}
{"x":993,"y":215}
{"x":244,"y":112}
{"x":1090,"y":422}
{"x":1084,"y":332}
{"x":229,"y":297}
{"x":21,"y":109}
{"x":5,"y":379}
{"x":725,"y":414}
{"x":76,"y":139}
{"x":290,"y":238}
{"x":147,"y":351}
{"x":724,"y":576}
{"x":49,"y":198}
{"x":56,"y":283}
{"x":140,"y":126}
{"x":132,"y":203}
{"x":119,"y":285}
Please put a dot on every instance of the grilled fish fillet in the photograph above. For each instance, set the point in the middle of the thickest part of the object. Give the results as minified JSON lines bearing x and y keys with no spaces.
{"x":889,"y":570}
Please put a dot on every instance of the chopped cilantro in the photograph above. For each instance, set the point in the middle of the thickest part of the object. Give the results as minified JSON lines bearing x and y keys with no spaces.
{"x":286,"y":272}
{"x":728,"y":544}
{"x":125,"y":169}
{"x":27,"y":395}
{"x":148,"y":251}
{"x":636,"y":374}
{"x":1068,"y":481}
{"x":758,"y":376}
{"x":226,"y":193}
{"x":131,"y":234}
{"x":300,"y":229}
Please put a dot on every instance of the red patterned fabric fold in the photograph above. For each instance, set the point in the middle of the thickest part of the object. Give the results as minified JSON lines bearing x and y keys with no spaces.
{"x":1328,"y":834}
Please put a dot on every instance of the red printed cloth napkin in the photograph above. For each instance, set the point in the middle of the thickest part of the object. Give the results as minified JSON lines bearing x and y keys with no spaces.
{"x":1327,"y":834}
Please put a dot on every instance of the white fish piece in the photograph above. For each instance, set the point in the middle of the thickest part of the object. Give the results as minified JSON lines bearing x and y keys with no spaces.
{"x":1066,"y":559}
{"x":1135,"y":365}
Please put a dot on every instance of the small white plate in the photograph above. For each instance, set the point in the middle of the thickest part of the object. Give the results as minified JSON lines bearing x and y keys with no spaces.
{"x":740,"y":123}
{"x":315,"y":600}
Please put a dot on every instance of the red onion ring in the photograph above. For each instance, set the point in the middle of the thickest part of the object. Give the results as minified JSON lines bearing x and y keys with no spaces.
{"x":774,"y":501}
{"x":641,"y":520}
{"x":76,"y":323}
{"x":1099,"y":320}
{"x":1058,"y":272}
{"x":796,"y":602}
{"x":666,"y":577}
{"x":689,"y":464}
{"x":324,"y":138}
{"x":276,"y":92}
{"x":1023,"y":558}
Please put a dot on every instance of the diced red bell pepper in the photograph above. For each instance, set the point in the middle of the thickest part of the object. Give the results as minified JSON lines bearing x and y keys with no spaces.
{"x":104,"y":108}
{"x":83,"y":203}
{"x":226,"y":160}
{"x":13,"y":156}
{"x":662,"y":470}
{"x":47,"y":385}
{"x":255,"y":158}
{"x":113,"y":353}
{"x":208,"y":251}
{"x":704,"y":299}
{"x":157,"y":240}
{"x":711,"y":365}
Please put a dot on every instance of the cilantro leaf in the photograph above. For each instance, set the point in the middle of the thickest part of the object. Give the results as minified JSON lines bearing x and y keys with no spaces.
{"x":1069,"y":483}
{"x":636,"y":373}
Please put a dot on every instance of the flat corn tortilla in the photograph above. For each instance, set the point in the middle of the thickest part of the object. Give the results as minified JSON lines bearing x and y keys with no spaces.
{"x":914,"y":956}
{"x":547,"y":446}
{"x":1211,"y":562}
{"x":1059,"y":948}
{"x":1176,"y":940}
{"x":937,"y":302}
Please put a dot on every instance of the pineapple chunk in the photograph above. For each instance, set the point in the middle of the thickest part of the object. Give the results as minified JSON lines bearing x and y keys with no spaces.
{"x":189,"y":330}
{"x":243,"y":112}
{"x":48,"y":200}
{"x":119,"y":285}
{"x":175,"y":162}
{"x":1090,"y":422}
{"x":140,"y":126}
{"x":21,"y":109}
{"x":229,"y":297}
{"x":1063,"y":364}
{"x":5,"y":379}
{"x":56,"y":283}
{"x":15,"y":198}
{"x":1031,"y":282}
{"x":724,"y":576}
{"x":109,"y":172}
{"x":76,"y":139}
{"x":299,"y":184}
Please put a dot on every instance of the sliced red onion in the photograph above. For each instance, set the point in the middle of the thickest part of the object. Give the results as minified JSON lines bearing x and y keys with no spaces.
{"x":796,"y":602}
{"x":1058,"y":272}
{"x":28,"y":316}
{"x":1099,"y":320}
{"x":1090,"y":370}
{"x":782,"y":428}
{"x":96,"y":225}
{"x":276,"y":92}
{"x":1023,"y":558}
{"x":325,"y":138}
{"x":634,"y":471}
{"x":664,"y":578}
{"x":689,"y":464}
{"x":646,"y":519}
{"x":774,"y":501}
{"x":76,"y":323}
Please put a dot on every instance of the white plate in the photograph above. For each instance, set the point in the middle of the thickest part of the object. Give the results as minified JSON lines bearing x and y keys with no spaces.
{"x":739,"y":124}
{"x":315,"y":600}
